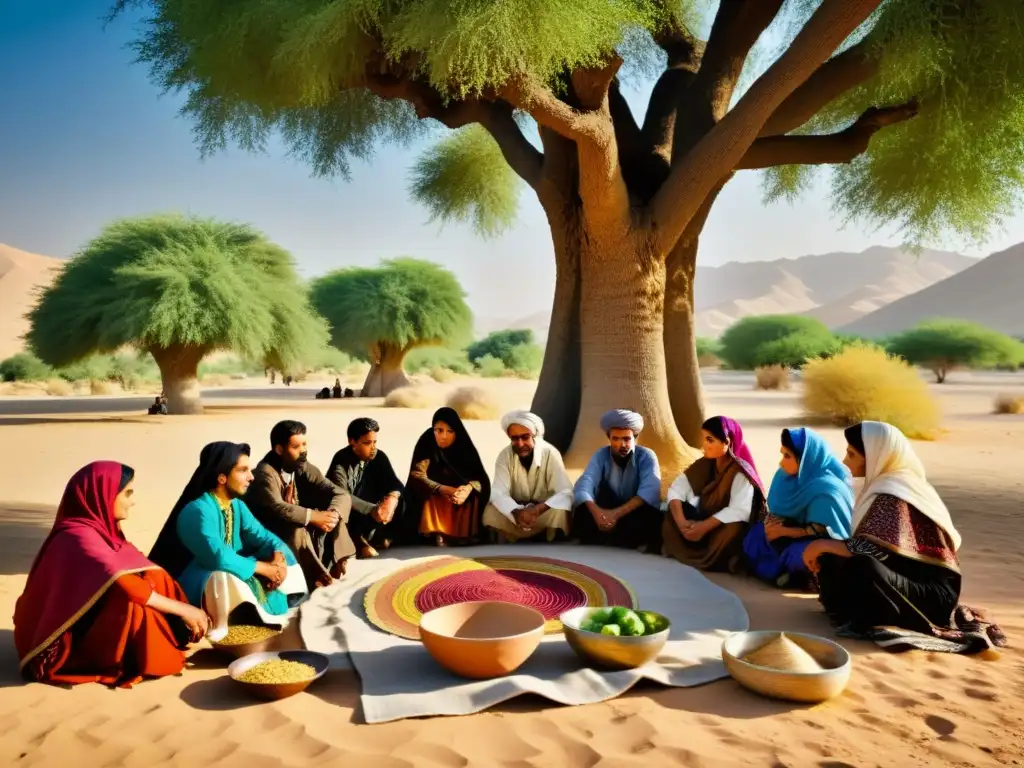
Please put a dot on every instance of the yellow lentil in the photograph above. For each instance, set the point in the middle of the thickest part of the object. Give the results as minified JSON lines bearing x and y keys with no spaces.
{"x":241,"y":634}
{"x":278,"y":671}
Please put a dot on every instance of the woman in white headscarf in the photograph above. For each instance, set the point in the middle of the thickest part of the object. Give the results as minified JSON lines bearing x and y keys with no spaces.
{"x":897,"y":580}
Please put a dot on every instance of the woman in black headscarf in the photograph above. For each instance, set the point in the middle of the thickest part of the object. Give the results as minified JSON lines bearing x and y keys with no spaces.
{"x":448,"y":483}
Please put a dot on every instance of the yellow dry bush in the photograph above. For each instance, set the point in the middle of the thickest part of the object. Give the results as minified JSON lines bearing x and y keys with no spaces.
{"x":59,"y":388}
{"x":474,"y":404}
{"x":409,"y":397}
{"x":772,"y":377}
{"x":863,"y":383}
{"x":1011,"y":404}
{"x":102,"y":387}
{"x":441,"y":375}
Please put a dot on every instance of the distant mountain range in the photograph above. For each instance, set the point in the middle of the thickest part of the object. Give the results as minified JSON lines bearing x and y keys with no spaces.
{"x":876,"y":292}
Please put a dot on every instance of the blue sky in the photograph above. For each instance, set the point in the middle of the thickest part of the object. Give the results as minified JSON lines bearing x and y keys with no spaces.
{"x":86,"y":138}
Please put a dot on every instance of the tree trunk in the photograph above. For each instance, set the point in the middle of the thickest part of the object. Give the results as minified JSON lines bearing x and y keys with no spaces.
{"x":557,"y":398}
{"x":685,"y":388}
{"x":622,"y":297}
{"x":386,"y":371}
{"x":179,"y":374}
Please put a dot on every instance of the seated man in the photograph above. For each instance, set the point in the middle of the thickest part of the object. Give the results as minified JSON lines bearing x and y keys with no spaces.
{"x":618,"y":496}
{"x":531,"y":494}
{"x":224,"y":559}
{"x":293,"y":499}
{"x":378,"y":509}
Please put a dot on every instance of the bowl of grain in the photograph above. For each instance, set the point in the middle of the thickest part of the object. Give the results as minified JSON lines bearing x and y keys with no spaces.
{"x":278,"y":674}
{"x":787,"y":665}
{"x":244,"y":639}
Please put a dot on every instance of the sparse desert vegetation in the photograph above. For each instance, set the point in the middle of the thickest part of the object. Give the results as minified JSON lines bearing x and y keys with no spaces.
{"x":772,"y":377}
{"x":866,"y":383}
{"x":474,"y":403}
{"x":1009,"y":404}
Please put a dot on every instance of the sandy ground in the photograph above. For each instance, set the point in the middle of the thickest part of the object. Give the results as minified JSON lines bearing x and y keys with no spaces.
{"x":899,"y":710}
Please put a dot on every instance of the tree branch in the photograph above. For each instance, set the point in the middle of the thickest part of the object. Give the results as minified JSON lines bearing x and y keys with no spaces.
{"x":737,"y":27}
{"x":525,"y":159}
{"x":841,"y":147}
{"x":830,"y":81}
{"x":721,"y":149}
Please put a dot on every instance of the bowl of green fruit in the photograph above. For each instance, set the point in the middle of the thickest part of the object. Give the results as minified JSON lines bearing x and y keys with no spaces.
{"x":616,"y":637}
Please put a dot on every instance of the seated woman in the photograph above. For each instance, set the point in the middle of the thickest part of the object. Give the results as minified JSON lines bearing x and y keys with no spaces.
{"x":713,"y":502}
{"x":811,"y":498}
{"x":448,"y":485}
{"x":94,"y":608}
{"x":224,"y":558}
{"x":897,"y":581}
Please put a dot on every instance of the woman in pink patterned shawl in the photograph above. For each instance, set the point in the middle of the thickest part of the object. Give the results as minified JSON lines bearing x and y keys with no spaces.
{"x":712,"y":504}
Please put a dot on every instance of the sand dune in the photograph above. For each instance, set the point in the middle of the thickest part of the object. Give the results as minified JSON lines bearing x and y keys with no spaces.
{"x":988,"y":293}
{"x":21,"y":276}
{"x":899,"y":711}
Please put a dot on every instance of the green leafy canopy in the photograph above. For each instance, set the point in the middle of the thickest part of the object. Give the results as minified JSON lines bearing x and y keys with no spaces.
{"x":774,"y":339}
{"x":404,"y":303}
{"x":170,"y":280}
{"x":943,"y":343}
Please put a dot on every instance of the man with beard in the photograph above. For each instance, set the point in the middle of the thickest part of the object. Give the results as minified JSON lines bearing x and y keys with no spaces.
{"x":531,"y":495}
{"x":227,"y":562}
{"x":294,"y":500}
{"x":378,"y":510}
{"x":618,"y":496}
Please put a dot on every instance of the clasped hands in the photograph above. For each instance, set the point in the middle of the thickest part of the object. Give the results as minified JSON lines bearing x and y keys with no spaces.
{"x":326,"y":520}
{"x":775,"y":528}
{"x":693,"y":530}
{"x":274,"y":571}
{"x":385,"y":510}
{"x":526,"y":516}
{"x":606,"y":519}
{"x":460,"y":494}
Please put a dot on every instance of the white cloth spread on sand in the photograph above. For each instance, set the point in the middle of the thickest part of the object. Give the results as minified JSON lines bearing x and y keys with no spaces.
{"x":400,"y":679}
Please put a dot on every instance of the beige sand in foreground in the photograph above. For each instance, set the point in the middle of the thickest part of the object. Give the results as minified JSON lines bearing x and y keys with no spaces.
{"x":899,"y":710}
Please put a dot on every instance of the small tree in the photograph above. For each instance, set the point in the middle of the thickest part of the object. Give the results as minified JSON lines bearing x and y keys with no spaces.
{"x":24,"y":366}
{"x":382,"y":313}
{"x":179,"y":288}
{"x":499,"y":344}
{"x":944,"y":345}
{"x":774,"y":340}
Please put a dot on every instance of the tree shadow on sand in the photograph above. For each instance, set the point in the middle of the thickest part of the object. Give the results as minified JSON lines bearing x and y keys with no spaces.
{"x":9,"y":674}
{"x":23,"y":527}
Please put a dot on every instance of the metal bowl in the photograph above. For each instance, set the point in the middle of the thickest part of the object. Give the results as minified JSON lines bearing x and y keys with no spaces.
{"x":809,"y":687}
{"x":609,"y":651}
{"x":271,"y":691}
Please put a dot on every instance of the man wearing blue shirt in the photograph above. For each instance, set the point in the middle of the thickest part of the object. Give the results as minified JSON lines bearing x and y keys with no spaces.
{"x":618,"y":497}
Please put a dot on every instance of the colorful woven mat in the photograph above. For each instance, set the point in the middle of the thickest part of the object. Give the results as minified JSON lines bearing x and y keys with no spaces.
{"x":396,"y":602}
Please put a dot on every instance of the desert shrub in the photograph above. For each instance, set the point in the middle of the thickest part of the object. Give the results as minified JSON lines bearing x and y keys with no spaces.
{"x":24,"y":366}
{"x":794,"y":350}
{"x":474,"y":404}
{"x":490,"y":367}
{"x":707,"y":352}
{"x":1009,"y":404}
{"x":409,"y":397}
{"x":865,"y":383}
{"x":59,"y":388}
{"x":441,"y":375}
{"x":772,"y":377}
{"x":428,"y":358}
{"x":945,"y":345}
{"x":103,"y":387}
{"x":525,"y":360}
{"x":498,"y":344}
{"x":756,"y":341}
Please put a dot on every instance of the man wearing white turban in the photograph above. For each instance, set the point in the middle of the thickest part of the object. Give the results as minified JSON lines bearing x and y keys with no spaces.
{"x":531,"y":493}
{"x":618,"y":496}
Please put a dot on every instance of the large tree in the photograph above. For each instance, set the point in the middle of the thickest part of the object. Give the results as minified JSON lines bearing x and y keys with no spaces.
{"x":383,"y":313}
{"x":917,"y":104}
{"x":178,"y":288}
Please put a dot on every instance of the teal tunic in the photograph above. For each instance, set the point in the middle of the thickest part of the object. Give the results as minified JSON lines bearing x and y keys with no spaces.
{"x":202,"y":528}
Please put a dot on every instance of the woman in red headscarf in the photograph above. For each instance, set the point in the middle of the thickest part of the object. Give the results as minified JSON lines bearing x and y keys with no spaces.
{"x":94,"y":608}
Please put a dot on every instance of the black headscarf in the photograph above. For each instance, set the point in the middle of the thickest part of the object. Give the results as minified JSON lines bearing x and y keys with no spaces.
{"x":214,"y":460}
{"x":855,"y":437}
{"x":461,"y":456}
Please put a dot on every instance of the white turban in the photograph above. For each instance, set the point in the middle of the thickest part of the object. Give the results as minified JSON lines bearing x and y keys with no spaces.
{"x":620,"y":418}
{"x":523,"y":418}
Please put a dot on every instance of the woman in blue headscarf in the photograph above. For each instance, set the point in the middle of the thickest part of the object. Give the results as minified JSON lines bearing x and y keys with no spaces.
{"x":810,"y":498}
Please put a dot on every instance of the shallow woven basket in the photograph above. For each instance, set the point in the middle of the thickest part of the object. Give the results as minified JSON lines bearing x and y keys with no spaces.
{"x":809,"y":687}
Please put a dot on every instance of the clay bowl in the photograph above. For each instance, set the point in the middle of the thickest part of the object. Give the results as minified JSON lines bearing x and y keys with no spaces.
{"x":609,"y":651}
{"x":808,"y":687}
{"x":272,"y":691}
{"x":238,"y":650}
{"x":483,"y":639}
